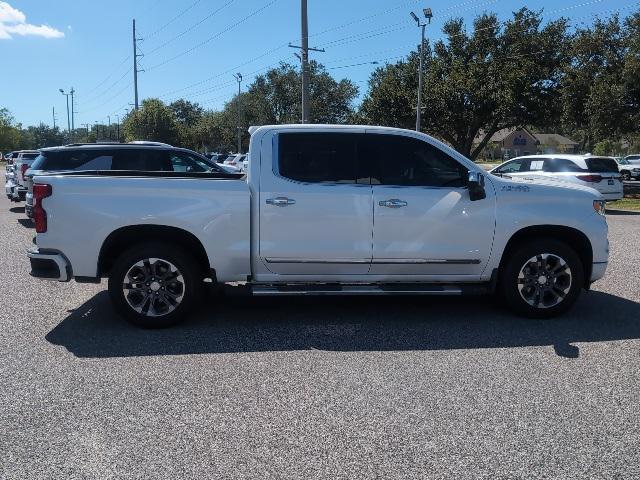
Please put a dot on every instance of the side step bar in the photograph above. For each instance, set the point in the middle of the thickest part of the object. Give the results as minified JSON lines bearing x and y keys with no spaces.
{"x":368,"y":289}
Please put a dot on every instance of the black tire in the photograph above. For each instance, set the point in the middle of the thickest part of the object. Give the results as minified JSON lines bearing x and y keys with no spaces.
{"x":173,"y":303}
{"x":556,"y":285}
{"x":626,"y":176}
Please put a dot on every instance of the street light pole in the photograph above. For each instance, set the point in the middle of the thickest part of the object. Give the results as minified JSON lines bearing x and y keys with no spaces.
{"x":68,"y":117}
{"x":73,"y":127}
{"x":109,"y":128}
{"x":238,"y":78}
{"x":428,"y":15}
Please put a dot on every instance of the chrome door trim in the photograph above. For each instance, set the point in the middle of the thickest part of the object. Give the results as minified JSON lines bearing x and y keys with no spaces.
{"x":321,"y":261}
{"x":426,"y":261}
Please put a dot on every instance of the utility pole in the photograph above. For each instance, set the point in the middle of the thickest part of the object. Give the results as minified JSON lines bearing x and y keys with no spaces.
{"x":305,"y":61}
{"x":118,"y":128}
{"x":304,"y":50}
{"x":97,"y":132}
{"x":135,"y":64}
{"x":428,"y":15}
{"x":238,"y":78}
{"x":109,"y":128}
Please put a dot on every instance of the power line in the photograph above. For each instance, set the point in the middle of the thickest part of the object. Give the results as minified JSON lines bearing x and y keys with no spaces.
{"x":213,"y":37}
{"x":155,"y":32}
{"x":195,"y":25}
{"x":108,"y":76}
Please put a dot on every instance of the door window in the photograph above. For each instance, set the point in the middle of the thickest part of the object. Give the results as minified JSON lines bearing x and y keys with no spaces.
{"x":318,"y":157}
{"x":406,"y":161}
{"x":184,"y":162}
{"x":142,"y":159}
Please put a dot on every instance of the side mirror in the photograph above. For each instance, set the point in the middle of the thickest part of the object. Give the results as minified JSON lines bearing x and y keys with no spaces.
{"x":475,"y":182}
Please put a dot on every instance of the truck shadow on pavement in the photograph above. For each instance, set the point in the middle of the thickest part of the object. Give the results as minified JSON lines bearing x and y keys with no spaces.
{"x":244,"y":324}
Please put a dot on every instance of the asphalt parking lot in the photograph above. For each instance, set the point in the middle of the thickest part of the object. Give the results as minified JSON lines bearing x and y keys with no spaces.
{"x":307,"y":388}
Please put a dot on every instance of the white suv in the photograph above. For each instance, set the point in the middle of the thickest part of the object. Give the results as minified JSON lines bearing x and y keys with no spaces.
{"x":600,"y":173}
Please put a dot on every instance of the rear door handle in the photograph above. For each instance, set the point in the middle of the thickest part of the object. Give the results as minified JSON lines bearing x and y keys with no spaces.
{"x":393,"y":203}
{"x":281,"y":201}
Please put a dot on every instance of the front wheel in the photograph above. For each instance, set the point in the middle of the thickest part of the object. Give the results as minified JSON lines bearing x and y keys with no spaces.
{"x":154,"y":285}
{"x":542,"y":278}
{"x":626,"y":176}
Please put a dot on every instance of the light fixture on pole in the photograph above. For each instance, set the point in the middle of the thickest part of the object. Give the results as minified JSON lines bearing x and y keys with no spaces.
{"x":428,"y":15}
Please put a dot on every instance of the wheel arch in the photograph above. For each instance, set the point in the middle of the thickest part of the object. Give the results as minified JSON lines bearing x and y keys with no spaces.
{"x":573,"y":237}
{"x":125,"y":237}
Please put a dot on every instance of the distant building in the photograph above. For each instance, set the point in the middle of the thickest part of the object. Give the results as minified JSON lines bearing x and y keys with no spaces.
{"x":514,"y":142}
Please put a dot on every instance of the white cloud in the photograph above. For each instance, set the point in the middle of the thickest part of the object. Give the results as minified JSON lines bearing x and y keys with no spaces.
{"x":14,"y":22}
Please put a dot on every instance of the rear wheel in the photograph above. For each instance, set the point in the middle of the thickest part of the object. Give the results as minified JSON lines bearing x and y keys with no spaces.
{"x":542,"y":278}
{"x":155,"y":285}
{"x":626,"y":176}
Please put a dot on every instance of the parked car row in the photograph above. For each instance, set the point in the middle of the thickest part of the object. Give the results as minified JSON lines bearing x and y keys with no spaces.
{"x":236,"y":162}
{"x":322,"y":210}
{"x":15,"y":183}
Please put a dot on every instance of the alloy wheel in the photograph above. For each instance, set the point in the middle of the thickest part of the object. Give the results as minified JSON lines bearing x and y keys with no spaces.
{"x":153,"y":287}
{"x":544,"y":280}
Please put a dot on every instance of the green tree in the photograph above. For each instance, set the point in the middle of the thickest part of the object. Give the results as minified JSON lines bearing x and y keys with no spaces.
{"x":10,"y":136}
{"x":154,"y":121}
{"x":187,"y":115}
{"x":502,"y":74}
{"x":595,"y":100}
{"x":274,"y":97}
{"x":42,"y":136}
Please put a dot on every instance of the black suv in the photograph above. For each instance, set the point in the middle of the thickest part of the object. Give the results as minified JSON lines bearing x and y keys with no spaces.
{"x":138,"y":156}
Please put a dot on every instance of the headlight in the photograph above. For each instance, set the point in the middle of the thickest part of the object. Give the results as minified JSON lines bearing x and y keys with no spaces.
{"x":599,"y":206}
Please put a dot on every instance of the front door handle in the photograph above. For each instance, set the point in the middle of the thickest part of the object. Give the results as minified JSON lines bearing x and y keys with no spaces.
{"x":281,"y":201}
{"x":393,"y":203}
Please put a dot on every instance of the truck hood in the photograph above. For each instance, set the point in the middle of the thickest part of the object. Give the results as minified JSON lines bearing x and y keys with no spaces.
{"x":548,"y":182}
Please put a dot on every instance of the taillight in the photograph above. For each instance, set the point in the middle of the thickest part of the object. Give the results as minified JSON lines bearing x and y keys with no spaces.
{"x":40,"y":192}
{"x":23,"y":168}
{"x":589,"y":178}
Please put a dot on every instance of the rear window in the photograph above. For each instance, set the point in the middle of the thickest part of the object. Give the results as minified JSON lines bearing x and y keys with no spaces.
{"x":29,"y":156}
{"x":88,"y":159}
{"x":602,"y":165}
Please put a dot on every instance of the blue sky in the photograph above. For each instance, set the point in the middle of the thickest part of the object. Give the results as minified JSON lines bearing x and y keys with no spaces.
{"x":192,"y":47}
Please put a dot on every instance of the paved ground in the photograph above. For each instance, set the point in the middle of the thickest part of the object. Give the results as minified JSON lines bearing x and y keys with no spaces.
{"x":355,"y":388}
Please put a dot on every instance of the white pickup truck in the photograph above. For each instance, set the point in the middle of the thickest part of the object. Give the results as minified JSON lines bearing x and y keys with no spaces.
{"x":323,"y":210}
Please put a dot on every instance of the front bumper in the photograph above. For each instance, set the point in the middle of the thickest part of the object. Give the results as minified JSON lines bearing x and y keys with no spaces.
{"x":49,"y":265}
{"x":598,"y":270}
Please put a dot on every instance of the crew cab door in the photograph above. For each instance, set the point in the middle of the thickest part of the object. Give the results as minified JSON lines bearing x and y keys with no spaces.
{"x":425,"y":223}
{"x":315,"y":218}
